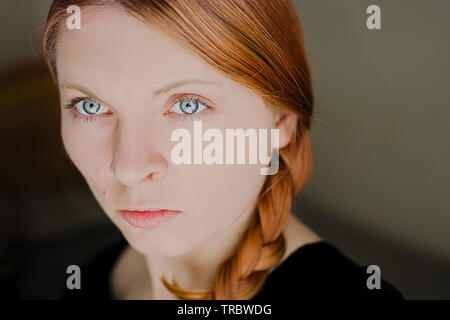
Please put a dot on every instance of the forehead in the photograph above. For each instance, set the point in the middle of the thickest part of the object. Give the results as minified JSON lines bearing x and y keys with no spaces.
{"x":112,"y":47}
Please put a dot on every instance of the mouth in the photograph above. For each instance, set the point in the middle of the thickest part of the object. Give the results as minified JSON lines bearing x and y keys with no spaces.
{"x":147,"y":219}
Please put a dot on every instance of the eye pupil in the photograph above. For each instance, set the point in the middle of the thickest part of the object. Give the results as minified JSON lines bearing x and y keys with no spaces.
{"x":91,"y":107}
{"x":189,"y":106}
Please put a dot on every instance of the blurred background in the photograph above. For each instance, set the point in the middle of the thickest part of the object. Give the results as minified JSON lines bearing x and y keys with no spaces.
{"x":381,"y":186}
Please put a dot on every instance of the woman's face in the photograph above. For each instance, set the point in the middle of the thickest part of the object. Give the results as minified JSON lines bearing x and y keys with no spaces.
{"x":123,"y":146}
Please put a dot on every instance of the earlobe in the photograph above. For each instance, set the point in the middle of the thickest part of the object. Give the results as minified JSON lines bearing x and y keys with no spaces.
{"x":285,"y":123}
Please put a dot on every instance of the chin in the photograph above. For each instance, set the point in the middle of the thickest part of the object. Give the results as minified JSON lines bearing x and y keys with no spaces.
{"x":148,"y":243}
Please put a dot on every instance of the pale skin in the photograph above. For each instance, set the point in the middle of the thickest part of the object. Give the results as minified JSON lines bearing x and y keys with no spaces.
{"x":124,"y":154}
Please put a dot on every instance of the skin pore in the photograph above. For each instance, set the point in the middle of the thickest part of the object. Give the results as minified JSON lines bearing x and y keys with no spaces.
{"x":137,"y":75}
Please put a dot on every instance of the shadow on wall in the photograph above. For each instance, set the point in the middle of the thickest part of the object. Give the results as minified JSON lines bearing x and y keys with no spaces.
{"x":44,"y":197}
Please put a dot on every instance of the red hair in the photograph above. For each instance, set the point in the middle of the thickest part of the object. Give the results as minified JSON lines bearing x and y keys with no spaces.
{"x":258,"y":44}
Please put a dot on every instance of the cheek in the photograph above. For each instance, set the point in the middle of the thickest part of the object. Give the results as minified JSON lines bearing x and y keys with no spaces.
{"x":86,"y":148}
{"x":90,"y":157}
{"x":215,"y":196}
{"x":220,"y":194}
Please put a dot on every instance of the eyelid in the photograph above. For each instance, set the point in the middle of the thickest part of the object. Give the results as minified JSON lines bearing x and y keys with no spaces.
{"x":73,"y":101}
{"x":185,"y":96}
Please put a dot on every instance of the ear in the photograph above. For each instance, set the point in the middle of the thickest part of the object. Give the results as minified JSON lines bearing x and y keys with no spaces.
{"x":286,"y":122}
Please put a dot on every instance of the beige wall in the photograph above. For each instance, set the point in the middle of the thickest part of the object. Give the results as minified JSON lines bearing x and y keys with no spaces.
{"x":382,"y":128}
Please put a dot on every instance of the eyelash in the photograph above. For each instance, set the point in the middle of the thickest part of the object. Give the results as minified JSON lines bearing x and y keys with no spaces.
{"x":72,"y":102}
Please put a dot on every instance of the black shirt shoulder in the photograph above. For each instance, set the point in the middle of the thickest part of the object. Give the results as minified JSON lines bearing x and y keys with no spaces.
{"x":320,"y":270}
{"x":316,"y":270}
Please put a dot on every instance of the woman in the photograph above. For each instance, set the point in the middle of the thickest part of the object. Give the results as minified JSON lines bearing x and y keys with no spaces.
{"x":134,"y":73}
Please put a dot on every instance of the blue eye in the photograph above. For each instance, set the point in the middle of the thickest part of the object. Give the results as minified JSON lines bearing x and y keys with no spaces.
{"x":86,"y":108}
{"x":90,"y":107}
{"x":188,"y":106}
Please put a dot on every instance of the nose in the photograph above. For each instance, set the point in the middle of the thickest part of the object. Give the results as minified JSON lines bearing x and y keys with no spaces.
{"x":136,"y":159}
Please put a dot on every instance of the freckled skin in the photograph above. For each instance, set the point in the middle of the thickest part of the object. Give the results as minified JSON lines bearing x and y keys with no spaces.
{"x":125,"y":156}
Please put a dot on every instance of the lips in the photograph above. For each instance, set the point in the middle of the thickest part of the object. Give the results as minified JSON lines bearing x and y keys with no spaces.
{"x":147,"y":218}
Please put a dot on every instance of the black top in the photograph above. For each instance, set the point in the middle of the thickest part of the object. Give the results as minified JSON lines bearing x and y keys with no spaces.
{"x":314,"y":271}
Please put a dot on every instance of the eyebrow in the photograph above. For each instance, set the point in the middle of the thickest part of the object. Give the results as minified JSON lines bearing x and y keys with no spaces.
{"x":183,"y":82}
{"x":79,"y":88}
{"x":164,"y":89}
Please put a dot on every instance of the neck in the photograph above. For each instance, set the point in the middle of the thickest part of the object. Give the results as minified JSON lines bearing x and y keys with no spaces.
{"x":196,"y":269}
